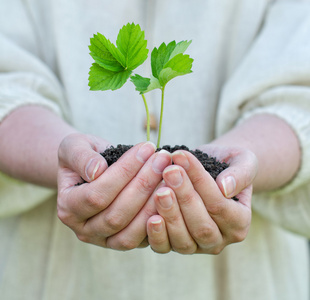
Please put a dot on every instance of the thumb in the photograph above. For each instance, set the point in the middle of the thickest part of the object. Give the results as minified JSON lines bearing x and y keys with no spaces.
{"x":239,"y":175}
{"x":80,"y":153}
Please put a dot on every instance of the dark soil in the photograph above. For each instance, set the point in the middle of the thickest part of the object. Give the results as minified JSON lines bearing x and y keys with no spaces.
{"x":211,"y":164}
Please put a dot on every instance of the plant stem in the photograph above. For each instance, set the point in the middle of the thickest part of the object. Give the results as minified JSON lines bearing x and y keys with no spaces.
{"x":147,"y":118}
{"x":161,"y":115}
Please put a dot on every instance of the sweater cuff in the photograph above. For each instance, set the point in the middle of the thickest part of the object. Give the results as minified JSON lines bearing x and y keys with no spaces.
{"x":18,"y":97}
{"x":299,"y":121}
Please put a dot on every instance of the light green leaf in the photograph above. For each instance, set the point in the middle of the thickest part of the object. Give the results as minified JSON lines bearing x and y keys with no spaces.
{"x":106,"y":54}
{"x":160,"y":56}
{"x":180,"y":47}
{"x":144,"y":85}
{"x":179,"y":65}
{"x":153,"y":85}
{"x":103,"y":79}
{"x":131,"y":43}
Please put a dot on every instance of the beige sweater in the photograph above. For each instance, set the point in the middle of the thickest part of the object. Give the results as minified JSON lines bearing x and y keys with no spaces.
{"x":250,"y":57}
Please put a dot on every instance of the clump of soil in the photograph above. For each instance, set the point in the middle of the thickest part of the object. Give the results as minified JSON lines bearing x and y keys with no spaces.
{"x":211,"y":164}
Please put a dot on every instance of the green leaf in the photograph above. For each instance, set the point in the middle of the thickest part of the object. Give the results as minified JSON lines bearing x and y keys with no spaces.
{"x":131,"y":43}
{"x":103,"y":79}
{"x":141,"y":83}
{"x":179,"y":65}
{"x":153,"y":85}
{"x":180,"y":47}
{"x":144,"y":84}
{"x":161,"y":56}
{"x":106,"y":54}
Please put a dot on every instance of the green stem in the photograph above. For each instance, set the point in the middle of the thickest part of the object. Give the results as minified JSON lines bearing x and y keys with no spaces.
{"x":147,"y":118}
{"x":161,"y":115}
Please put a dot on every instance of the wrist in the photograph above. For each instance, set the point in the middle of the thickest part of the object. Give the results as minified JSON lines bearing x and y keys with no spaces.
{"x":274,"y":144}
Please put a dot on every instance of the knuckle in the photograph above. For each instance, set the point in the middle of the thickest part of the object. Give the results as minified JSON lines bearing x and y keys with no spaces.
{"x":173,"y":218}
{"x":115,"y":222}
{"x":252,"y":157}
{"x":217,"y":209}
{"x":149,"y":210}
{"x":94,"y":199}
{"x":186,"y":199}
{"x":161,"y":251}
{"x":198,"y":181}
{"x":125,"y":244}
{"x":63,"y":215}
{"x":185,"y":248}
{"x":238,"y":236}
{"x":216,"y":250}
{"x":62,"y":148}
{"x":144,"y":186}
{"x":83,"y":238}
{"x":67,"y":141}
{"x":88,"y":237}
{"x":204,"y":234}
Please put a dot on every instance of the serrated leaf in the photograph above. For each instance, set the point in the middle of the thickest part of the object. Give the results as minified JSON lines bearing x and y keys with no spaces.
{"x":154,"y":84}
{"x":141,"y":83}
{"x":144,"y":84}
{"x":179,"y":65}
{"x":160,"y":56}
{"x":180,"y":47}
{"x":103,"y":79}
{"x":131,"y":43}
{"x":106,"y":54}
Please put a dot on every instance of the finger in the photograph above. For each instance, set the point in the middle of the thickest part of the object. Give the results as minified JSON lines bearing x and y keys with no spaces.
{"x":240,"y":174}
{"x":135,"y":233}
{"x":199,"y":223}
{"x":132,"y":198}
{"x":144,"y":243}
{"x":80,"y":154}
{"x":89,"y":199}
{"x":232,"y":217}
{"x":180,"y":238}
{"x":201,"y":180}
{"x":242,"y":170}
{"x":157,"y":235}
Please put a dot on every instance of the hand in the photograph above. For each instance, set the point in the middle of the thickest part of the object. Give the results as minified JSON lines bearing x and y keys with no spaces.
{"x":112,"y":197}
{"x":195,"y":215}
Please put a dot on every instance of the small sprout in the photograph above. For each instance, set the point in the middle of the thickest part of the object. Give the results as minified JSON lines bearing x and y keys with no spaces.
{"x":114,"y":65}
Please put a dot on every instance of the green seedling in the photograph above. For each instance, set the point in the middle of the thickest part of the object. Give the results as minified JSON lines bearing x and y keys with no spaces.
{"x":114,"y":65}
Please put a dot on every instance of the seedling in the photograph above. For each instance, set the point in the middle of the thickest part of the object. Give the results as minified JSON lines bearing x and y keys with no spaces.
{"x":114,"y":65}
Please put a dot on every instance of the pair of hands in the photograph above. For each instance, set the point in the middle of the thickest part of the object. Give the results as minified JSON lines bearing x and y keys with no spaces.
{"x":143,"y":199}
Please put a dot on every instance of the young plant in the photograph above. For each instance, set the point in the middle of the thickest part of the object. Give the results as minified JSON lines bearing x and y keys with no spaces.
{"x":114,"y":65}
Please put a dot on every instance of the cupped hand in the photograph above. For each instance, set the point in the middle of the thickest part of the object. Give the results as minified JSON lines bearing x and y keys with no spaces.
{"x":112,"y":198}
{"x":195,"y":213}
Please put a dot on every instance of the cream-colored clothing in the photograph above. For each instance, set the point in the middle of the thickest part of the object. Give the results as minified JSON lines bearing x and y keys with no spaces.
{"x":250,"y":57}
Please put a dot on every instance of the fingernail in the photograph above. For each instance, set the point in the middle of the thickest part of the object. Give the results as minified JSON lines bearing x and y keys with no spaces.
{"x":161,"y":161}
{"x":165,"y":199}
{"x":157,"y":225}
{"x":145,"y":151}
{"x":229,"y":186}
{"x":173,"y":176}
{"x":91,"y":169}
{"x":180,"y":158}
